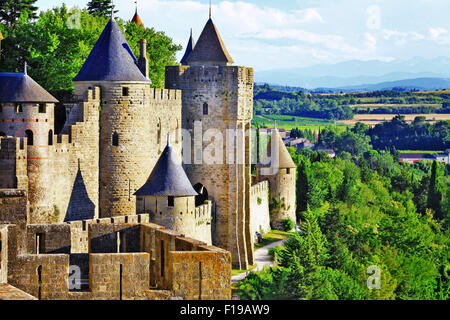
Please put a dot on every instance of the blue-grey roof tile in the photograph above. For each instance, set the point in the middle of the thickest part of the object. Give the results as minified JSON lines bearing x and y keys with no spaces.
{"x":111,"y":59}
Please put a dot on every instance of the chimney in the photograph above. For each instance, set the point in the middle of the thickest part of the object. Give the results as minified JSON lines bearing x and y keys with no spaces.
{"x":143,"y":61}
{"x":1,"y":38}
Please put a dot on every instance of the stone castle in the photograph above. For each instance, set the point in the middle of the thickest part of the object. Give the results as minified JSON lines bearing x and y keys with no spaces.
{"x":120,"y":193}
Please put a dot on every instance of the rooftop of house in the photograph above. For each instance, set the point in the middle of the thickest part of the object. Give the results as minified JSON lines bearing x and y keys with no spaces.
{"x":168,"y":178}
{"x":210,"y":47}
{"x":21,"y":88}
{"x":416,"y":156}
{"x":111,"y":59}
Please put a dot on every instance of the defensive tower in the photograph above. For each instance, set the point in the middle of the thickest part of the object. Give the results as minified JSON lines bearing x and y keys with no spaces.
{"x":217,"y":111}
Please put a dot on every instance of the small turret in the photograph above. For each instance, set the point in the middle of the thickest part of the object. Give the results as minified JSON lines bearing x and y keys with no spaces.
{"x":169,"y":198}
{"x":190,"y":46}
{"x":280,"y":170}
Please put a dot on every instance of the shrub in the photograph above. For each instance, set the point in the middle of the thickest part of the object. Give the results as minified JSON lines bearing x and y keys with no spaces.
{"x":288,"y":225}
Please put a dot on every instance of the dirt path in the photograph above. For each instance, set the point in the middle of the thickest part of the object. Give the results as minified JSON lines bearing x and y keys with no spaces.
{"x":262,"y":259}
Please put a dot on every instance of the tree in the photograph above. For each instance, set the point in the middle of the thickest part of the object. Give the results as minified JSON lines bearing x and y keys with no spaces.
{"x":10,"y":11}
{"x":353,"y":143}
{"x":100,"y":7}
{"x":434,"y":195}
{"x":161,"y":51}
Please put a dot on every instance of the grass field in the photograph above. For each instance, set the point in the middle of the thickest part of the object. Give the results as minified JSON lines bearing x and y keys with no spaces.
{"x":291,"y":122}
{"x":373,"y":119}
{"x":420,"y":151}
{"x":385,"y":105}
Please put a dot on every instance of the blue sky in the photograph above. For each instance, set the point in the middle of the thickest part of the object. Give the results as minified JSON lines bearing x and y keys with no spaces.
{"x":282,"y":34}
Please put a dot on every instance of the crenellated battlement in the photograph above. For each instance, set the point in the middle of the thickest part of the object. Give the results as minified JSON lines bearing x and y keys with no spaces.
{"x":159,"y":263}
{"x":165,"y":94}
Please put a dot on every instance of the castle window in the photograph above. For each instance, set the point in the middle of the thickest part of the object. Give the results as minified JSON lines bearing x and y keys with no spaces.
{"x":2,"y":134}
{"x":125,"y":91}
{"x":170,"y":201}
{"x":19,"y":108}
{"x":50,"y":138}
{"x":115,"y":139}
{"x":205,"y":109}
{"x":1,"y":108}
{"x":288,"y":171}
{"x":29,"y":135}
{"x":42,"y":108}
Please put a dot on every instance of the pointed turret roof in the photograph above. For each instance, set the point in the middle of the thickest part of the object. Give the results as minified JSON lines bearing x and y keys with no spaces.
{"x":19,"y":87}
{"x":111,"y":59}
{"x":281,"y":158}
{"x":136,"y":19}
{"x":167,"y":178}
{"x":190,"y":46}
{"x":210,"y":47}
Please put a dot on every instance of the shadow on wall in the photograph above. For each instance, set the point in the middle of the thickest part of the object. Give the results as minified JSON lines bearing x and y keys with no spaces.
{"x":80,"y":206}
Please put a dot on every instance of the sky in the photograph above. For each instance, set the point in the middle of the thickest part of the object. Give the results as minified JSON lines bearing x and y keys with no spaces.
{"x":284,"y":34}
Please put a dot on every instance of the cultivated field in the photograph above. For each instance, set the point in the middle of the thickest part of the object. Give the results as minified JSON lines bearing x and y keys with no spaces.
{"x":374,"y":119}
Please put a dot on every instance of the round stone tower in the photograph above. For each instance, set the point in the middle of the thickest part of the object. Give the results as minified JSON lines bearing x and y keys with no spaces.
{"x":280,"y":170}
{"x":168,"y":196}
{"x":27,"y":110}
{"x":124,"y":120}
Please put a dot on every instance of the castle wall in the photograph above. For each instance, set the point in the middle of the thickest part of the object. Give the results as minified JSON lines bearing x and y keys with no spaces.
{"x":228,"y":95}
{"x":183,"y":217}
{"x":60,"y":173}
{"x":283,"y":188}
{"x":13,"y":163}
{"x":134,"y":122}
{"x":260,"y":215}
{"x":14,"y":210}
{"x":3,"y":255}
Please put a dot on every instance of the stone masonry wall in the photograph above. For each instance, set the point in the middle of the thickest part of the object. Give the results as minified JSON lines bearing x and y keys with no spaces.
{"x":13,"y":163}
{"x":134,"y":122}
{"x":227,"y":94}
{"x":283,"y":187}
{"x":260,"y":215}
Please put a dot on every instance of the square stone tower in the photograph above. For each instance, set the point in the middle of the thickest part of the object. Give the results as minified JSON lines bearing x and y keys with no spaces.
{"x":217,"y":109}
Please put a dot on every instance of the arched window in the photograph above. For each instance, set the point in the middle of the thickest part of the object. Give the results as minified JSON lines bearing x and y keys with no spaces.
{"x":19,"y":108}
{"x":205,"y":109}
{"x":115,"y":139}
{"x":50,"y":138}
{"x":29,"y":135}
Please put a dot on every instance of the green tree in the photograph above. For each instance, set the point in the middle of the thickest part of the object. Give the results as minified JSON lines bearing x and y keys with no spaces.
{"x":161,"y":51}
{"x":100,"y":7}
{"x":10,"y":11}
{"x":434,"y":194}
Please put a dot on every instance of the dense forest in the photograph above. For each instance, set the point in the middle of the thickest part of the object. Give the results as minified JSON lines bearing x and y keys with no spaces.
{"x":392,"y":135}
{"x":361,"y":217}
{"x":56,"y":42}
{"x":279,"y":101}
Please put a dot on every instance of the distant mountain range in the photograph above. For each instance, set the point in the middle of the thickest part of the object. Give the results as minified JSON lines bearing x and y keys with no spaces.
{"x":417,"y":73}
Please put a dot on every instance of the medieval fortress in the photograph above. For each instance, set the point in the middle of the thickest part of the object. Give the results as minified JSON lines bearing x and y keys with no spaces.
{"x":115,"y":200}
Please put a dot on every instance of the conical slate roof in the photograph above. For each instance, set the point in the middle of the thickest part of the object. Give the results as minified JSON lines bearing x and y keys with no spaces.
{"x":167,"y":178}
{"x":210,"y":47}
{"x":19,"y":87}
{"x":136,"y":19}
{"x":189,"y":48}
{"x":111,"y":59}
{"x":281,"y":159}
